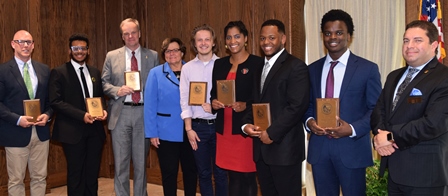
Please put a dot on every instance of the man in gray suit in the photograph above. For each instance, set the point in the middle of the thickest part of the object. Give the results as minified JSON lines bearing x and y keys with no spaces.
{"x":126,"y":107}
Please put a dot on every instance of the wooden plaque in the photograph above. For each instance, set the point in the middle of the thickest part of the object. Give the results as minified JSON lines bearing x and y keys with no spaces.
{"x":94,"y":106}
{"x":262,"y":115}
{"x":198,"y":93}
{"x":327,"y":109}
{"x":132,"y":79}
{"x":226,"y":91}
{"x":32,"y":108}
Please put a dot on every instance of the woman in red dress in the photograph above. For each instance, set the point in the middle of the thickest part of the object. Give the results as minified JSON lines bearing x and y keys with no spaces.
{"x":233,"y":147}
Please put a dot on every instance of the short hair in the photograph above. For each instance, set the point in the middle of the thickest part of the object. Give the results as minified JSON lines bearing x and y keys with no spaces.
{"x":205,"y":27}
{"x":430,"y":28}
{"x":274,"y":22}
{"x":168,"y":41}
{"x":237,"y":24}
{"x":337,"y":14}
{"x":78,"y":37}
{"x":129,"y":20}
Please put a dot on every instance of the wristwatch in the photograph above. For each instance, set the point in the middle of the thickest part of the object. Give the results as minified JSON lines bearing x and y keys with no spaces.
{"x":390,"y":137}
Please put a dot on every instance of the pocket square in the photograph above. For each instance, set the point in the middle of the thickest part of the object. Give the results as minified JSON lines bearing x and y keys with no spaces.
{"x":416,"y":92}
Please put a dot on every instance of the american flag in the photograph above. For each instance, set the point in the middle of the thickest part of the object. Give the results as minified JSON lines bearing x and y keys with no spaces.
{"x":431,"y":11}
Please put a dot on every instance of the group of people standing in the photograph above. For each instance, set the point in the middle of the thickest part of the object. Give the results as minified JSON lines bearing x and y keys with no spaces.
{"x":408,"y":117}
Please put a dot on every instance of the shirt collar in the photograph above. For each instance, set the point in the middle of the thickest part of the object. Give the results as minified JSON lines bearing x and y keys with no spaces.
{"x":20,"y":63}
{"x":273,"y":58}
{"x":77,"y":65}
{"x":343,"y":59}
{"x":129,"y":51}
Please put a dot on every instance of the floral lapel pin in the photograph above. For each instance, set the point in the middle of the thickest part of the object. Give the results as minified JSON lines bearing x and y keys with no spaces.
{"x":245,"y":71}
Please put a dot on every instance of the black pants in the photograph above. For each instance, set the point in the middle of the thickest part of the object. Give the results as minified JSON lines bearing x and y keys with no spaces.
{"x":242,"y":183}
{"x":170,"y":153}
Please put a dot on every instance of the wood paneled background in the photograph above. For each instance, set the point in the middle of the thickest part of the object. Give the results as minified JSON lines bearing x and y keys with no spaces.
{"x":51,"y":22}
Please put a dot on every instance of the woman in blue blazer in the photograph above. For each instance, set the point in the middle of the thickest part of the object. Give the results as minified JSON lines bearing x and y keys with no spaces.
{"x":163,"y":124}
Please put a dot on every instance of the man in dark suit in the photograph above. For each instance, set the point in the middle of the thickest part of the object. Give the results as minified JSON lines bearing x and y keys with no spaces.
{"x":25,"y":142}
{"x":284,"y":84}
{"x":339,"y":155}
{"x":411,"y":117}
{"x":81,"y":134}
{"x":126,"y":108}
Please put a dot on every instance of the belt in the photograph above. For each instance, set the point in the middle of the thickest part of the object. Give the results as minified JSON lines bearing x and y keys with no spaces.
{"x":133,"y":104}
{"x":200,"y":120}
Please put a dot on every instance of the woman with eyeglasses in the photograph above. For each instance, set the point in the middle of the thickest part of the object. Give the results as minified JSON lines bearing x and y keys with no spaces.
{"x":234,"y":148}
{"x":163,"y":124}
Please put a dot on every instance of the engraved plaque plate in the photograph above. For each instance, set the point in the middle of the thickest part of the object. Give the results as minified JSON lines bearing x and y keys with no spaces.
{"x":226,"y":91}
{"x":262,"y":115}
{"x":327,"y":109}
{"x":32,"y":108}
{"x":132,"y":79}
{"x":94,"y":106}
{"x":198,"y":93}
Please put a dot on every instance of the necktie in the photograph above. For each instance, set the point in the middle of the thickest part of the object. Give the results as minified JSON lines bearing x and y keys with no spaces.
{"x":84,"y":83}
{"x":329,"y":88}
{"x":403,"y":86}
{"x":27,"y":79}
{"x":264,"y":74}
{"x":134,"y":67}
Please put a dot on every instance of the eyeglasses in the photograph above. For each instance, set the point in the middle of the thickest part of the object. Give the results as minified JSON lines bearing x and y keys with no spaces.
{"x":173,"y":50}
{"x":22,"y":42}
{"x":79,"y":48}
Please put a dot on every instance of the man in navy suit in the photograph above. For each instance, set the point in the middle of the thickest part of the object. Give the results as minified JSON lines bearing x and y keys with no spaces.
{"x":410,"y":122}
{"x":339,"y":155}
{"x":81,"y":134}
{"x":25,"y":142}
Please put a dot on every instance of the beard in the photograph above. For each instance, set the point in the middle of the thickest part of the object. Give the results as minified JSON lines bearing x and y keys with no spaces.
{"x":78,"y":61}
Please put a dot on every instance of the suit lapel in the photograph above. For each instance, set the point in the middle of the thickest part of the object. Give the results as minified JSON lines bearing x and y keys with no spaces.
{"x":318,"y":78}
{"x":349,"y":73}
{"x":169,"y":74}
{"x":426,"y":71}
{"x":39,"y":74}
{"x":15,"y":71}
{"x":144,"y":66}
{"x":277,"y":65}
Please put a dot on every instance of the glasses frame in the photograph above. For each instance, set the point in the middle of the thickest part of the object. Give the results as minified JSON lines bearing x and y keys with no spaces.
{"x":175,"y":50}
{"x":79,"y":48}
{"x":22,"y":42}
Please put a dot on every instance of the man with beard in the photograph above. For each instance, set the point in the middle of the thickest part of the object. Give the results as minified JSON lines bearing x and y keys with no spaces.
{"x":283,"y":82}
{"x":82,"y":135}
{"x":25,"y":142}
{"x":339,"y":155}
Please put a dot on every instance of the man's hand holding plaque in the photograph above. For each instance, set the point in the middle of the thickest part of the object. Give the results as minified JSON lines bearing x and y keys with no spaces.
{"x":95,"y":110}
{"x":198,"y":93}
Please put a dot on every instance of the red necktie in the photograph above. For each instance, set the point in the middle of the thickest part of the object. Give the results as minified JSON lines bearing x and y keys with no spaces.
{"x":134,"y":67}
{"x":329,"y":91}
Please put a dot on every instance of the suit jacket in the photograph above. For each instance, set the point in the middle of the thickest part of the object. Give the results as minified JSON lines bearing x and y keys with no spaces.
{"x":419,"y":125}
{"x":360,"y":89}
{"x":162,"y":105}
{"x":12,"y":93}
{"x":113,"y":78}
{"x":243,"y":88}
{"x":286,"y":89}
{"x":67,"y":100}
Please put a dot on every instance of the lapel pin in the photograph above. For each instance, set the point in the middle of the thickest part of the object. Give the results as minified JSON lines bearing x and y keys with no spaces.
{"x":245,"y":71}
{"x":426,"y":71}
{"x":93,"y":79}
{"x":146,"y":57}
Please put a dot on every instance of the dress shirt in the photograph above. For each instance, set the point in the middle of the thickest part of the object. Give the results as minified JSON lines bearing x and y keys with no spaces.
{"x":32,"y":73}
{"x":196,"y":71}
{"x":138,"y":56}
{"x":272,"y":60}
{"x":419,"y":68}
{"x":86,"y":74}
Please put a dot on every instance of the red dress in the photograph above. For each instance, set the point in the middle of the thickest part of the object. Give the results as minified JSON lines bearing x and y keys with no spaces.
{"x":233,"y":152}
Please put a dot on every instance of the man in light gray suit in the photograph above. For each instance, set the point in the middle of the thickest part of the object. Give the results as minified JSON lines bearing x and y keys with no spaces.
{"x":126,"y":107}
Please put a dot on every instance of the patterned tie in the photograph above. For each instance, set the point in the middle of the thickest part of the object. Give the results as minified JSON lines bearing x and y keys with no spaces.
{"x":134,"y":67}
{"x":84,"y":83}
{"x":264,"y":74}
{"x":27,"y":79}
{"x":403,"y":85}
{"x":329,"y":88}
